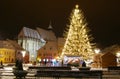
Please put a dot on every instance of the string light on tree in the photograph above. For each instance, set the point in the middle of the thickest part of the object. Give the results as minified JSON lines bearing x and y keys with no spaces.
{"x":77,"y":38}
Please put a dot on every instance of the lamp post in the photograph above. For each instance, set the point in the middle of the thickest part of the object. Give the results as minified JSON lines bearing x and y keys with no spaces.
{"x":97,"y":51}
{"x":1,"y":62}
{"x":23,"y":53}
{"x":118,"y":57}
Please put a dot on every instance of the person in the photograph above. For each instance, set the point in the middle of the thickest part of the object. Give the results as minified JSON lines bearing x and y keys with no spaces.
{"x":19,"y":65}
{"x":45,"y":62}
{"x":1,"y":63}
{"x":83,"y":64}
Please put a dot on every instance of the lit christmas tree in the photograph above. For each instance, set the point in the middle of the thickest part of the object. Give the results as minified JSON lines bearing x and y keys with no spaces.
{"x":77,"y":38}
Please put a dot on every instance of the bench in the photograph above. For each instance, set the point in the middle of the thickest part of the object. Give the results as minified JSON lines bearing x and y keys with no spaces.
{"x":69,"y":74}
{"x":84,"y":68}
{"x":112,"y":74}
{"x":113,"y":68}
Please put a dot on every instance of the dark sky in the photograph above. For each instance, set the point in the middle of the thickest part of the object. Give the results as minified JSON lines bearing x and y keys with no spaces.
{"x":103,"y":17}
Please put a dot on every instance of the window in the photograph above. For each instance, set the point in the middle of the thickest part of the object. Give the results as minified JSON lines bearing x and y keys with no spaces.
{"x":50,"y":48}
{"x":44,"y":48}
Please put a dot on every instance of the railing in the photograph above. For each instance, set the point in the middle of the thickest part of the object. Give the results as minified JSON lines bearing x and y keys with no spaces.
{"x":113,"y":68}
{"x":69,"y":74}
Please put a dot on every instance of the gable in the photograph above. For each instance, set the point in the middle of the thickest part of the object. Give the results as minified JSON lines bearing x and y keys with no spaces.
{"x":27,"y":32}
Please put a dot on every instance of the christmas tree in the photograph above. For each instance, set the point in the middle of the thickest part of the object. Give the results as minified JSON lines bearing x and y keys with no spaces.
{"x":77,"y":39}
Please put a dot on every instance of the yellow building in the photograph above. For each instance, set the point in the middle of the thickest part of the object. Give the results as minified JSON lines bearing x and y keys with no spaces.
{"x":7,"y":55}
{"x":8,"y":50}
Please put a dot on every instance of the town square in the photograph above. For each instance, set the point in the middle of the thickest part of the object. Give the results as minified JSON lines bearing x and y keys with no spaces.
{"x":59,"y":39}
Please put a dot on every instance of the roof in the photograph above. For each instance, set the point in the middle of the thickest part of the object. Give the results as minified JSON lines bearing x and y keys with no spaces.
{"x":15,"y":45}
{"x":9,"y":44}
{"x":27,"y":32}
{"x":46,"y":34}
{"x":50,"y":44}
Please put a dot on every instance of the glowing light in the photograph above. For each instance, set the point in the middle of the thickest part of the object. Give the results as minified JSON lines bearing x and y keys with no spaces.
{"x":97,"y":50}
{"x":118,"y":54}
{"x":77,"y":6}
{"x":32,"y":56}
{"x":77,"y":38}
{"x":23,"y":53}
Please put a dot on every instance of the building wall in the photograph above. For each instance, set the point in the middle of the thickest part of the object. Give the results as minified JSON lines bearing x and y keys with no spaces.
{"x":7,"y":55}
{"x":108,"y":59}
{"x":34,"y":45}
{"x":104,"y":60}
{"x":48,"y":52}
{"x":61,"y":42}
{"x":31,"y":45}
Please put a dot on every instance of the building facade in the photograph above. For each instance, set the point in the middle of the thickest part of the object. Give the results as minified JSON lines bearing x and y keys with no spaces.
{"x":40,"y":43}
{"x":61,"y":42}
{"x":31,"y":41}
{"x":48,"y":53}
{"x":8,"y":51}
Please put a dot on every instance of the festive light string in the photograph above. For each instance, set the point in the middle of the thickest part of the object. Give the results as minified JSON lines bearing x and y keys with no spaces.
{"x":77,"y":38}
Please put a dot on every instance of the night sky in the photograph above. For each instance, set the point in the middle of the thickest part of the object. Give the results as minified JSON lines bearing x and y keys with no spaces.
{"x":102,"y":16}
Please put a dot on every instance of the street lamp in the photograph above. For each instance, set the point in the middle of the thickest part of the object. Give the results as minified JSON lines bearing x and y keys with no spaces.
{"x":118,"y":57}
{"x":23,"y":53}
{"x":97,"y":50}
